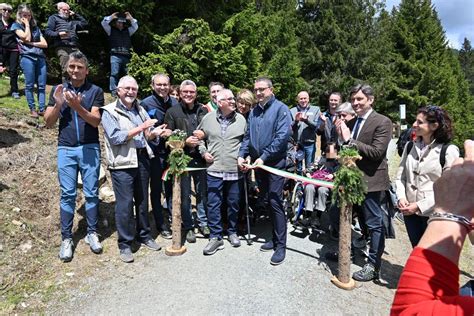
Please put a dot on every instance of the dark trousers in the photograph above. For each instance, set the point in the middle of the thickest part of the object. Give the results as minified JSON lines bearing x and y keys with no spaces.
{"x":271,"y":187}
{"x":416,"y":226}
{"x":11,"y":59}
{"x":217,"y":190}
{"x":157,"y":166}
{"x":372,"y":217}
{"x":131,"y":188}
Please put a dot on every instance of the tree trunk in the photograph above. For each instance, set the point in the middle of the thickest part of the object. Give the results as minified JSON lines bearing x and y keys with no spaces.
{"x":343,"y":279}
{"x":176,"y":248}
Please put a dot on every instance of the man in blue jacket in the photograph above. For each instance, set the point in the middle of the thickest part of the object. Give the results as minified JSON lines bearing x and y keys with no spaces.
{"x":266,"y":141}
{"x":157,"y":104}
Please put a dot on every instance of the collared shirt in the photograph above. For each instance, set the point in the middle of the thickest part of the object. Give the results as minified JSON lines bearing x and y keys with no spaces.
{"x":224,"y":123}
{"x":362,"y":122}
{"x":119,"y":136}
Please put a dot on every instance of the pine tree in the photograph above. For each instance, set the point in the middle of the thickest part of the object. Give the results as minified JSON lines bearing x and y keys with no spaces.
{"x":425,"y":69}
{"x":466,"y":58}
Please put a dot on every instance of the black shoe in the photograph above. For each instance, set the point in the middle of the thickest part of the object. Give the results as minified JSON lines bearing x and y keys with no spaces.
{"x":166,"y":234}
{"x":368,"y":273}
{"x":314,"y":220}
{"x":190,"y":236}
{"x":268,"y":246}
{"x":205,"y":231}
{"x":278,"y":256}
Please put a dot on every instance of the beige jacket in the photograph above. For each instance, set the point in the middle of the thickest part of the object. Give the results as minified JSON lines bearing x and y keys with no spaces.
{"x":418,"y":171}
{"x":123,"y":156}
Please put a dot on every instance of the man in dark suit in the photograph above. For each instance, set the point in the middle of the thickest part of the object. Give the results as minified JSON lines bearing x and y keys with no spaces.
{"x":371,"y":135}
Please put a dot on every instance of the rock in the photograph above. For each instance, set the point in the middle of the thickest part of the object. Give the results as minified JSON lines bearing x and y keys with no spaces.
{"x":16,"y":209}
{"x":1,"y":248}
{"x":17,"y":223}
{"x":70,"y":274}
{"x":26,"y":246}
{"x":106,"y":192}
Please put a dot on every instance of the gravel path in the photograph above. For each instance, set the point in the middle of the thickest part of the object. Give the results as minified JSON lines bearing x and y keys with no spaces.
{"x":234,"y":281}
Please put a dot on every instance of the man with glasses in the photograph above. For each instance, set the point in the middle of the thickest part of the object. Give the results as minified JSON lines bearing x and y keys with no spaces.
{"x":186,"y":116}
{"x":266,"y":141}
{"x":370,"y":135}
{"x":128,"y":129}
{"x":223,"y":133}
{"x":62,"y":29}
{"x":305,"y":119}
{"x":157,"y":104}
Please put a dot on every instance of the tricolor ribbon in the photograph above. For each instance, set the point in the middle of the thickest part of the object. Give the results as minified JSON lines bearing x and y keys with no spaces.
{"x":278,"y":172}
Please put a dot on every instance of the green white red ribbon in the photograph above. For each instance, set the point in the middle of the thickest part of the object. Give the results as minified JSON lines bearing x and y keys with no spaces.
{"x":278,"y":172}
{"x":293,"y":176}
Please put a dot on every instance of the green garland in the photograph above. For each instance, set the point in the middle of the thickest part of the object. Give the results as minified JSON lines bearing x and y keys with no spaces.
{"x":349,"y":180}
{"x":177,"y":159}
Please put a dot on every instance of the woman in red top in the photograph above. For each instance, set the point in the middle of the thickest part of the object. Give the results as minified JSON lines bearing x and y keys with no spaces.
{"x":429,"y":284}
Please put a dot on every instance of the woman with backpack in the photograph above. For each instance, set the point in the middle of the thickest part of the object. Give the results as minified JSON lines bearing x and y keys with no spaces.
{"x":422,"y":163}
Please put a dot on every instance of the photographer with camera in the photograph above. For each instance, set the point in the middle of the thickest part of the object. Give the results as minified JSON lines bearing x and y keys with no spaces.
{"x":119,"y":27}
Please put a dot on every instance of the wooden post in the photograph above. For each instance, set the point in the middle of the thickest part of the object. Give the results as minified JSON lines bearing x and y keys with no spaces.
{"x":343,"y":279}
{"x":176,"y":248}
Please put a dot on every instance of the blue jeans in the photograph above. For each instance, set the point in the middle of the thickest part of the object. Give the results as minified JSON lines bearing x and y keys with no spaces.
{"x":118,"y":68}
{"x":372,"y":217}
{"x":72,"y":160}
{"x":35,"y":72}
{"x":309,"y":150}
{"x":200,"y":184}
{"x":217,"y":190}
{"x":131,"y":189}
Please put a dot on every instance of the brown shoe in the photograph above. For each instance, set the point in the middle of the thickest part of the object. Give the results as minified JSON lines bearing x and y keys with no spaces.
{"x":34,"y":114}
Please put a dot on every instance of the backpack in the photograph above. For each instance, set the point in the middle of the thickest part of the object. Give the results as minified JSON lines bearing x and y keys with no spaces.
{"x":442,"y":154}
{"x":404,"y":138}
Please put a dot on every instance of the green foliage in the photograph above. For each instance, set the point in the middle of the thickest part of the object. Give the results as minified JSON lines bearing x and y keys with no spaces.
{"x":177,"y":159}
{"x":466,"y":59}
{"x":349,"y":184}
{"x":426,"y":71}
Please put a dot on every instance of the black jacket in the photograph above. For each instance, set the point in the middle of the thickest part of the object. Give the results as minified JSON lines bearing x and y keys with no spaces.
{"x":57,"y":24}
{"x":182,"y":118}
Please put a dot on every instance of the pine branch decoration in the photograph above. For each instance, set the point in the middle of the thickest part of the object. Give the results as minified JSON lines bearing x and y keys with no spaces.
{"x":349,"y":180}
{"x":177,"y":159}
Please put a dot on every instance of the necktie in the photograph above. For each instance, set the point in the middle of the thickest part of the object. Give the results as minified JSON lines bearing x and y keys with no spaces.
{"x":356,"y":128}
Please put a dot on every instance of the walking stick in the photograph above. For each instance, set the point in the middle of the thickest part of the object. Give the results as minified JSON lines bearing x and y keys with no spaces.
{"x":249,"y":241}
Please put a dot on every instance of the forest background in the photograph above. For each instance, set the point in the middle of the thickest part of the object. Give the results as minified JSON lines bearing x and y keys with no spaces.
{"x":318,"y":45}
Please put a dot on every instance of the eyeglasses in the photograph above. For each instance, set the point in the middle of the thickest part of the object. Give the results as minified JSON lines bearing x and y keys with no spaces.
{"x":230,"y":99}
{"x":7,"y":10}
{"x":341,"y":115}
{"x":260,"y":90}
{"x":129,"y":88}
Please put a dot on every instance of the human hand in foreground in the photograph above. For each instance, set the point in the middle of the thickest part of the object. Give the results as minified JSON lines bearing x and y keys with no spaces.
{"x":208,"y":157}
{"x":454,"y":190}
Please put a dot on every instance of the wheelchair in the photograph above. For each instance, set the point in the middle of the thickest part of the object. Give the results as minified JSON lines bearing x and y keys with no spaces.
{"x":308,"y":201}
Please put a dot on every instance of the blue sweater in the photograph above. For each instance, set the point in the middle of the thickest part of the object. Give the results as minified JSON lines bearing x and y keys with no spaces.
{"x":268,"y":132}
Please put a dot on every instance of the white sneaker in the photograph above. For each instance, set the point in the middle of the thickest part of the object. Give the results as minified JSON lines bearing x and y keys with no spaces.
{"x":92,"y":239}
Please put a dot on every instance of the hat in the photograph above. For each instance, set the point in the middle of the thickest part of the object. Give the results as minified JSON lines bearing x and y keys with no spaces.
{"x":121,"y":18}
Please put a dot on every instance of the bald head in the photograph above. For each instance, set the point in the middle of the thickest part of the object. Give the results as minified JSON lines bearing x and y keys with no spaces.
{"x":303,"y":99}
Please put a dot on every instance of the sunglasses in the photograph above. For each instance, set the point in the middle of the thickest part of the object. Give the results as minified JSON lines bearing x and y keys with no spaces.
{"x":7,"y":10}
